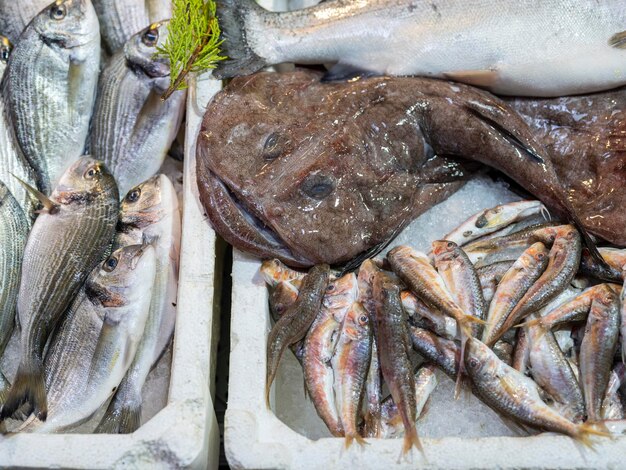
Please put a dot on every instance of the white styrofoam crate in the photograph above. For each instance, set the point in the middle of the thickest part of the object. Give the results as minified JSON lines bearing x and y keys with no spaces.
{"x":185,"y":433}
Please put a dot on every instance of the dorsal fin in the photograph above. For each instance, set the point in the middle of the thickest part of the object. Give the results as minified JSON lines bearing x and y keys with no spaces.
{"x":49,"y":205}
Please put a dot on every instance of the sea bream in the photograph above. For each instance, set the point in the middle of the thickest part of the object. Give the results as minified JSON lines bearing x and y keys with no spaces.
{"x":520,"y":48}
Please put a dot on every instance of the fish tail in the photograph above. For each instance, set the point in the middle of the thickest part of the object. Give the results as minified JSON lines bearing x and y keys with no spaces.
{"x":473,"y":319}
{"x":411,"y":439}
{"x":130,"y":419}
{"x":28,"y":387}
{"x":586,"y":430}
{"x":350,"y":438}
{"x":529,"y":323}
{"x":241,"y":59}
{"x":110,"y":423}
{"x":461,"y":365}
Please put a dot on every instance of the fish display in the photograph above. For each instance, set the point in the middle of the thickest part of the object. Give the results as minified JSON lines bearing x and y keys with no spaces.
{"x":355,"y":162}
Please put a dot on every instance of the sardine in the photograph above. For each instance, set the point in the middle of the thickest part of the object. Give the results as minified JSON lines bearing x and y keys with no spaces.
{"x":120,"y":19}
{"x":98,"y":338}
{"x":133,"y":128}
{"x":15,"y":15}
{"x":597,"y":350}
{"x":490,"y":276}
{"x":440,"y":351}
{"x":50,"y":87}
{"x":296,"y":321}
{"x":149,"y":214}
{"x":515,"y":48}
{"x":351,"y":363}
{"x":394,"y":345}
{"x":319,"y":349}
{"x":64,"y":245}
{"x":513,"y":286}
{"x":612,"y":408}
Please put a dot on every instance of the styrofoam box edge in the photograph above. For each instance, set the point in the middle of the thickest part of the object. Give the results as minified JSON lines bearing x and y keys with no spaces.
{"x":185,"y":433}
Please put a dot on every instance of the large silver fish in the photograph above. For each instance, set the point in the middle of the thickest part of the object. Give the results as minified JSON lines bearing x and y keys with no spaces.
{"x":120,"y":19}
{"x":149,"y":213}
{"x":50,"y":87}
{"x":548,"y":48}
{"x":15,"y":15}
{"x":133,"y":128}
{"x":64,"y":245}
{"x":97,"y":339}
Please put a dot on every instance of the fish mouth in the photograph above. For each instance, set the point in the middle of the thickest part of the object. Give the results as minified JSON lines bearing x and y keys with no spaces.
{"x":239,"y":226}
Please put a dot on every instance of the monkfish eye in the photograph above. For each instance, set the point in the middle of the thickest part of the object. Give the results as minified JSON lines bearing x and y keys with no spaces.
{"x":318,"y":186}
{"x":150,"y":37}
{"x":271,"y":149}
{"x":110,"y":264}
{"x":58,"y":12}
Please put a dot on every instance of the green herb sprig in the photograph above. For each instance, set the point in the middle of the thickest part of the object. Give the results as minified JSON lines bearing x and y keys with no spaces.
{"x":193,"y":42}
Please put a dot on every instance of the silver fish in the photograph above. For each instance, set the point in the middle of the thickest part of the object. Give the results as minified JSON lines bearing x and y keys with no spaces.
{"x":120,"y":19}
{"x":133,"y":128}
{"x":612,"y":408}
{"x":50,"y":87}
{"x":149,"y":213}
{"x":15,"y":15}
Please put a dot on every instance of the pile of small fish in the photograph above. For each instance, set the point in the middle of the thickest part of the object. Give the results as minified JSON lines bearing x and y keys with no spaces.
{"x":507,"y":304}
{"x":90,"y":281}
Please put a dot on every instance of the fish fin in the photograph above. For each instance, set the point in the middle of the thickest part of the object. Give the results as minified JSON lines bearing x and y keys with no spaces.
{"x":28,"y":386}
{"x":344,"y":72}
{"x":473,"y":319}
{"x":110,"y":422}
{"x":130,"y":419}
{"x":529,"y":323}
{"x":354,"y":437}
{"x":618,"y":40}
{"x":586,"y":430}
{"x":242,"y":60}
{"x":480,"y":78}
{"x":49,"y":205}
{"x":411,"y":439}
{"x":396,"y":420}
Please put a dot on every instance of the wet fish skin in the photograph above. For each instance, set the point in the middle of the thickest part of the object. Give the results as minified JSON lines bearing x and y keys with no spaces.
{"x":612,"y":408}
{"x":513,"y":286}
{"x":64,"y":244}
{"x":14,"y":16}
{"x":121,"y":19}
{"x":440,"y":351}
{"x":296,"y":321}
{"x":432,"y":319}
{"x":597,"y":351}
{"x":133,"y":128}
{"x":394,"y":345}
{"x":351,"y":363}
{"x":320,"y":344}
{"x":50,"y":87}
{"x":490,"y":276}
{"x":283,"y":296}
{"x":521,"y":355}
{"x":614,"y":257}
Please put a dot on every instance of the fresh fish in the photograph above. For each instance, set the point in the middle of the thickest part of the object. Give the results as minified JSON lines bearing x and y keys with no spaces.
{"x":64,"y":245}
{"x":50,"y":87}
{"x":492,"y":220}
{"x":614,"y":257}
{"x":394,"y":345}
{"x":283,"y":296}
{"x":597,"y":350}
{"x":521,"y":355}
{"x":516,"y":396}
{"x":553,"y":373}
{"x":440,"y":351}
{"x":433,"y":319}
{"x":133,"y":128}
{"x":513,"y":286}
{"x":461,"y":279}
{"x":296,"y":321}
{"x":149,"y":214}
{"x":351,"y":363}
{"x":121,"y":19}
{"x":504,"y":351}
{"x":274,"y":271}
{"x":563,"y":262}
{"x":490,"y":276}
{"x":303,"y":180}
{"x":15,"y":15}
{"x":612,"y":408}
{"x":514,"y":48}
{"x":319,"y":349}
{"x":425,"y":384}
{"x":97,"y":339}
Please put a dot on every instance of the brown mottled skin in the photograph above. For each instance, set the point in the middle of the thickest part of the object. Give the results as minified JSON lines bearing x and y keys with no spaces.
{"x":330,"y":170}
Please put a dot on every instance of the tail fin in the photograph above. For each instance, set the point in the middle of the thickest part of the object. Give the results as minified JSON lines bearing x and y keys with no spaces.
{"x":28,"y":387}
{"x":529,"y":323}
{"x":110,"y":422}
{"x":355,"y":437}
{"x":4,"y":389}
{"x":130,"y":419}
{"x":242,"y":60}
{"x":586,"y":430}
{"x":411,"y":439}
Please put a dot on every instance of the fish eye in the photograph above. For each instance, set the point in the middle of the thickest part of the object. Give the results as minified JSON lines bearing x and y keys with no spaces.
{"x":450,"y":245}
{"x":133,"y":195}
{"x":58,"y":12}
{"x":271,"y":149}
{"x":540,"y":255}
{"x":330,"y":287}
{"x":92,"y":172}
{"x":150,"y":37}
{"x":473,"y":363}
{"x":110,"y":264}
{"x":5,"y":50}
{"x":363,"y":319}
{"x":318,"y":186}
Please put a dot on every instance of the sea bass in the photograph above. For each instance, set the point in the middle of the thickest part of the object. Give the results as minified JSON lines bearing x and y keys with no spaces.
{"x":64,"y":245}
{"x":310,"y":172}
{"x":133,"y":128}
{"x":50,"y":87}
{"x":520,"y":48}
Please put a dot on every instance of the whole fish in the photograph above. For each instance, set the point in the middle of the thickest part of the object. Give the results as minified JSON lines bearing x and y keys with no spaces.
{"x":516,"y":396}
{"x":351,"y":364}
{"x":597,"y":351}
{"x":612,"y":408}
{"x":14,"y":16}
{"x":303,"y":180}
{"x":440,"y":351}
{"x":516,"y":48}
{"x":296,"y":321}
{"x":50,"y":87}
{"x":614,"y":257}
{"x":490,"y":276}
{"x":133,"y":128}
{"x":394,"y":346}
{"x":513,"y":286}
{"x":64,"y":245}
{"x":319,"y":350}
{"x":492,"y":220}
{"x":149,"y":214}
{"x":121,"y":19}
{"x":97,"y":340}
